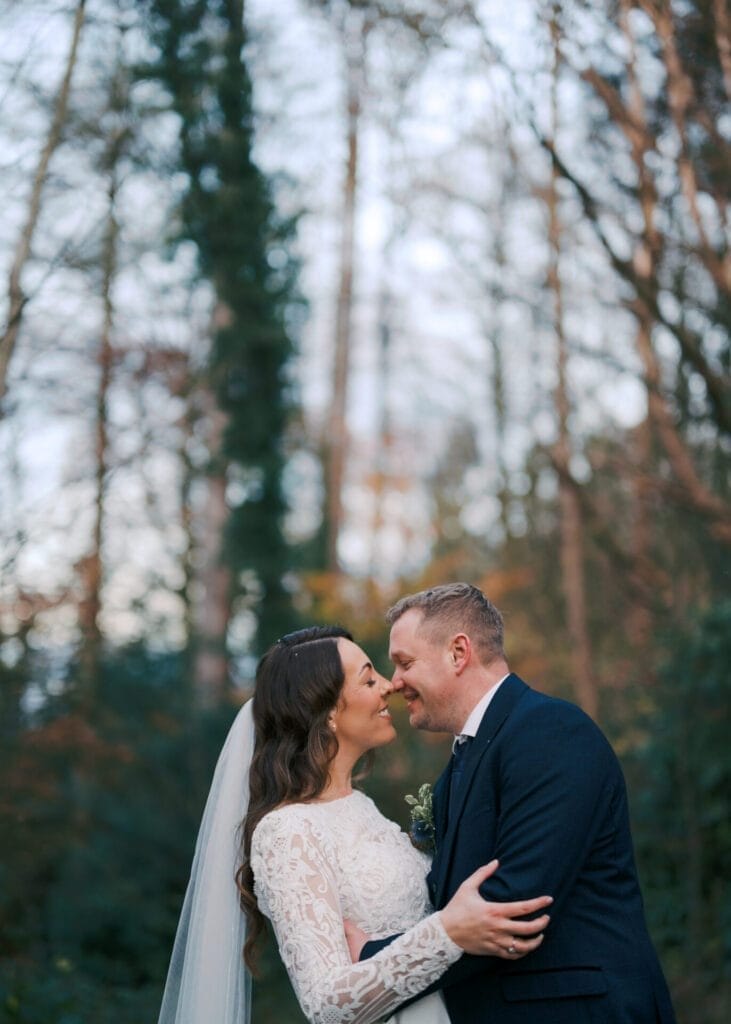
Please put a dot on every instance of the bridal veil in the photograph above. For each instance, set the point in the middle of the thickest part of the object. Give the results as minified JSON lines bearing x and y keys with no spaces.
{"x":207,"y":980}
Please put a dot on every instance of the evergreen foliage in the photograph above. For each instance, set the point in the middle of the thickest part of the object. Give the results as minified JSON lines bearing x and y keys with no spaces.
{"x":243,"y":251}
{"x":97,"y":822}
{"x":682,"y":776}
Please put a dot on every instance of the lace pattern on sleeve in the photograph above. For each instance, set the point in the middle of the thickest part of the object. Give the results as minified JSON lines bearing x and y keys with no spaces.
{"x":296,"y":888}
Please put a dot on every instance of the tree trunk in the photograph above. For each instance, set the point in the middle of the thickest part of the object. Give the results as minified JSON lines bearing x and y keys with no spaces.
{"x":722,"y":29}
{"x":187,"y":478}
{"x":383,"y":428}
{"x":210,"y":674}
{"x":646,"y":259}
{"x":571,"y":519}
{"x":16,"y":297}
{"x":212,"y":602}
{"x":680,"y":94}
{"x":92,"y":569}
{"x":499,"y":402}
{"x":640,"y":272}
{"x":337,"y":439}
{"x":639,"y":619}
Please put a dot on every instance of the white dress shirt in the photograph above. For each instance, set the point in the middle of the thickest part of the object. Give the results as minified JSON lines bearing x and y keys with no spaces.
{"x":474,"y":719}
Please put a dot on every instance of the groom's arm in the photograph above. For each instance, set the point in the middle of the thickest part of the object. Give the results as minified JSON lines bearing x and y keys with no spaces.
{"x":557,"y":780}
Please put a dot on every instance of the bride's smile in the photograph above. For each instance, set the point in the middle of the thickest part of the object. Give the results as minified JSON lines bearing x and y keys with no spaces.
{"x":362,"y":719}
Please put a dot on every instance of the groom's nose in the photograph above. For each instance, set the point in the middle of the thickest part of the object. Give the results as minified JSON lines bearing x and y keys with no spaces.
{"x":396,"y":681}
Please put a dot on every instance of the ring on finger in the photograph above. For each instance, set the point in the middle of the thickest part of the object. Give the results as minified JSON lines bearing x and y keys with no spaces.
{"x":511,"y":949}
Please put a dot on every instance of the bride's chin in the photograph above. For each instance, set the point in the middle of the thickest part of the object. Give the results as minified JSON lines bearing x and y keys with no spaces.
{"x":383,"y":741}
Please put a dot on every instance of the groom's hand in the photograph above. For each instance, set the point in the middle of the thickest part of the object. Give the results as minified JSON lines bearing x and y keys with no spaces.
{"x":492,"y":929}
{"x":355,"y":937}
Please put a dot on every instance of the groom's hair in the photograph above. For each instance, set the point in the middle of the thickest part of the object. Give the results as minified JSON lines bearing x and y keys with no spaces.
{"x":456,"y":608}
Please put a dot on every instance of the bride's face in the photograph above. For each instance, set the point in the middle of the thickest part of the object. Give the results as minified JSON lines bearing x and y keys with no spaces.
{"x":361,"y":719}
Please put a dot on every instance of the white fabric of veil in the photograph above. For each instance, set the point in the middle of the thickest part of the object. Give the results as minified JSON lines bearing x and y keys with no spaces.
{"x":207,"y":981}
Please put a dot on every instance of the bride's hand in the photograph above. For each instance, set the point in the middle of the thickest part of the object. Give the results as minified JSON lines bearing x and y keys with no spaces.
{"x":491,"y":929}
{"x":355,"y":937}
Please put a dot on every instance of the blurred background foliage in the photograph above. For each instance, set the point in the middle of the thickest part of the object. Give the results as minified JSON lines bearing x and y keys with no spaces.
{"x":310,"y":303}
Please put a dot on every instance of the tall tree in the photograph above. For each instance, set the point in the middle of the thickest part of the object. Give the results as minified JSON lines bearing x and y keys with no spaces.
{"x":676,"y":279}
{"x":647,"y":253}
{"x":571,"y":517}
{"x":92,"y":564}
{"x":229,"y":214}
{"x":354,"y":23}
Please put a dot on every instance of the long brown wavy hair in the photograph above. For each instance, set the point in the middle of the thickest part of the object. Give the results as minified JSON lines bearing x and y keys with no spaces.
{"x":298,"y":683}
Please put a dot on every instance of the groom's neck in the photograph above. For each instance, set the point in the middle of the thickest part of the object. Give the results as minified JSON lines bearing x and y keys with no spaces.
{"x":478,"y":681}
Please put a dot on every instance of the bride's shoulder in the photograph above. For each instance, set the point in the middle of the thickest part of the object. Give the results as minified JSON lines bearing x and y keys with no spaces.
{"x":282,"y":814}
{"x":318,"y":820}
{"x":289,"y":828}
{"x":283,"y":819}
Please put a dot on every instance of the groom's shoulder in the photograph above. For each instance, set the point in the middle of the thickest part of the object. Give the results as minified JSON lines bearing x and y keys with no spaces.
{"x":549,"y":707}
{"x":549,"y":701}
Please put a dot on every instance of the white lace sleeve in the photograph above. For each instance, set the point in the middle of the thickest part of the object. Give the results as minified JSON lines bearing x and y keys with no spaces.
{"x":297,"y":890}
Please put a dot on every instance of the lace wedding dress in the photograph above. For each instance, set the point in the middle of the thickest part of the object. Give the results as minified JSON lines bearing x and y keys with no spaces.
{"x":315,"y":864}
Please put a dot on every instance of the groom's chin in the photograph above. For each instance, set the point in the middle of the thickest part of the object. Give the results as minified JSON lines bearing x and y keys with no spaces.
{"x":415,"y":717}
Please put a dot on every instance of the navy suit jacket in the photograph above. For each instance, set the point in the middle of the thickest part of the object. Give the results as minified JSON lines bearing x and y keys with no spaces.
{"x":543,"y":791}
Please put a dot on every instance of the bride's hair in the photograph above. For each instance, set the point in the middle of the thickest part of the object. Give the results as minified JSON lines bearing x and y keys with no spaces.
{"x":298,"y":683}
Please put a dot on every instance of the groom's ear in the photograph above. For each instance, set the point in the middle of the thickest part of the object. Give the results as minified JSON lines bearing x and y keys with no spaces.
{"x":460,"y":651}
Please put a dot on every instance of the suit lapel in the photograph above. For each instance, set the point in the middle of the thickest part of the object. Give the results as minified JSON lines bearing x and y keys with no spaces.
{"x":440,"y":800}
{"x":507,"y":696}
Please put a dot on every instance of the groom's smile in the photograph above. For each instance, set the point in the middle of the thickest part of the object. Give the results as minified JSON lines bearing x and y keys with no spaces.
{"x":422,"y":675}
{"x":410,"y":696}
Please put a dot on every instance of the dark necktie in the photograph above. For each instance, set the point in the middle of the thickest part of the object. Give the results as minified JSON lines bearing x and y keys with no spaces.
{"x":459,"y":755}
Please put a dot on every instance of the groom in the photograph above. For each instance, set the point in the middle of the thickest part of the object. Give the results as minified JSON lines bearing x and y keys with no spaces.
{"x":533,"y":782}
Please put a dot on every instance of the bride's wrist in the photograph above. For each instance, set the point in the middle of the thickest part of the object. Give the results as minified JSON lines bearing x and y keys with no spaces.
{"x":451,"y":925}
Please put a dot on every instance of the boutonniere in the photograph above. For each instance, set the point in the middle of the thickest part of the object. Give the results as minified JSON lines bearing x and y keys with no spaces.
{"x":421,"y":832}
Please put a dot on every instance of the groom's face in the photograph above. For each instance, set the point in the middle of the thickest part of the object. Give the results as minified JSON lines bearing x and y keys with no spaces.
{"x":422,"y":675}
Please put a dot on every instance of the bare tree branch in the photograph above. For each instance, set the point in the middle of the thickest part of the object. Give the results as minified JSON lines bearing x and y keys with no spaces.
{"x":718,"y":387}
{"x":16,"y":296}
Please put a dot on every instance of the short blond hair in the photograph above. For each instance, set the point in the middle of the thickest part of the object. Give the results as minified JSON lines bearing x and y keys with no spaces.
{"x":456,"y":608}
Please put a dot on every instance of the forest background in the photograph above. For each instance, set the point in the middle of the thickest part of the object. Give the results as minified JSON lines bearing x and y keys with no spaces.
{"x":310,"y":303}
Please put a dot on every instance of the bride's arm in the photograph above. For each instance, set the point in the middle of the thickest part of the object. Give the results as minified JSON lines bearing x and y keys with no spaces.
{"x":296,"y":888}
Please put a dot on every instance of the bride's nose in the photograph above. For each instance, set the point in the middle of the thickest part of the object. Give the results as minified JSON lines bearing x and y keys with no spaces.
{"x":386,"y":686}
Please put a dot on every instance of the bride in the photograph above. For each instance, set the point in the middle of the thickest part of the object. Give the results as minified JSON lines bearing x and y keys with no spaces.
{"x":317,"y":858}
